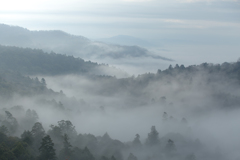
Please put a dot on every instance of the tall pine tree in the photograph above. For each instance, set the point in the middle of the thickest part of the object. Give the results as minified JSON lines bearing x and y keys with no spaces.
{"x":47,"y":151}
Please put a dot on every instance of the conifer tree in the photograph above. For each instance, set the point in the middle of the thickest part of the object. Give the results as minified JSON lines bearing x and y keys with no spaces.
{"x":47,"y":151}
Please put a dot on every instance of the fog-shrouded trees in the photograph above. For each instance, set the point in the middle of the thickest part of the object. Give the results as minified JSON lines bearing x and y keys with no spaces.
{"x":57,"y":132}
{"x":31,"y":117}
{"x":10,"y":122}
{"x":27,"y":137}
{"x":6,"y":153}
{"x":67,"y":127}
{"x":21,"y":151}
{"x":47,"y":151}
{"x":38,"y":133}
{"x":67,"y":151}
{"x":136,"y":143}
{"x":153,"y":138}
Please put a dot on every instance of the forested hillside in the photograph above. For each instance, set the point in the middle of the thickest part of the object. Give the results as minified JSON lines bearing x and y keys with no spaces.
{"x":34,"y":62}
{"x":59,"y":107}
{"x":14,"y":83}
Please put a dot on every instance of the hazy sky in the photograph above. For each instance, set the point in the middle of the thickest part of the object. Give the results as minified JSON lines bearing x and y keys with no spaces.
{"x":181,"y":28}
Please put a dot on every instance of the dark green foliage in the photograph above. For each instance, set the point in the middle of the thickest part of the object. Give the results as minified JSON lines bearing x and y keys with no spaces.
{"x":6,"y":153}
{"x":27,"y":137}
{"x":21,"y":151}
{"x":47,"y":151}
{"x":14,"y":149}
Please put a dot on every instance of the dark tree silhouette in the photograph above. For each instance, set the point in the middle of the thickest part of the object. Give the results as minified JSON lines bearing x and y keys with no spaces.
{"x":10,"y":122}
{"x":47,"y":151}
{"x":152,"y":137}
{"x":27,"y":137}
{"x":136,"y":142}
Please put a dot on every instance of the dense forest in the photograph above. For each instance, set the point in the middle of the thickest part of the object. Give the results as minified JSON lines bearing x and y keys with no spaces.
{"x":60,"y":107}
{"x":63,"y":141}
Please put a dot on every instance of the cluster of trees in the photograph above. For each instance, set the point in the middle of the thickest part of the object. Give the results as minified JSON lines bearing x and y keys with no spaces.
{"x":13,"y":82}
{"x":63,"y":142}
{"x":36,"y":144}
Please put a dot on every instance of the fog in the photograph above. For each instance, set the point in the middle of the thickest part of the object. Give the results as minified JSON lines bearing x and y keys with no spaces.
{"x":199,"y":114}
{"x":120,"y":80}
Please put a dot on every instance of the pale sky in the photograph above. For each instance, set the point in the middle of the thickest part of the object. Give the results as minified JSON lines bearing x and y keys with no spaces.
{"x":180,"y":27}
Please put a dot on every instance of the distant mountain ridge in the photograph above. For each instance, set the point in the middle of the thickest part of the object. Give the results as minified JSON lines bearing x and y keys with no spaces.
{"x":126,"y":40}
{"x":64,"y":43}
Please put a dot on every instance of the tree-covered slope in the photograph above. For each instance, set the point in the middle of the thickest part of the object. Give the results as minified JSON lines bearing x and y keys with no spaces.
{"x":14,"y":83}
{"x":32,"y":62}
